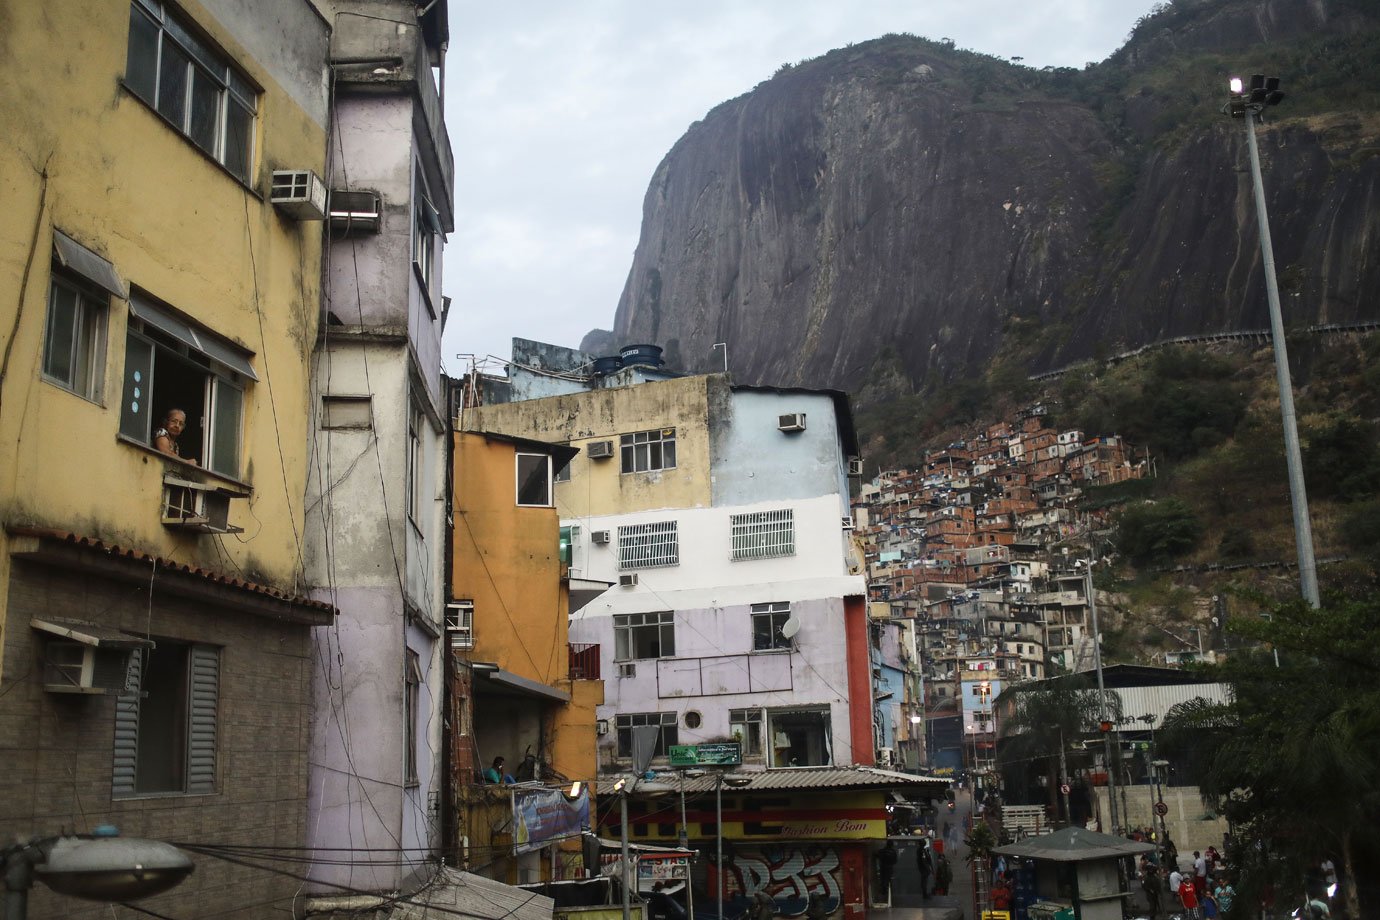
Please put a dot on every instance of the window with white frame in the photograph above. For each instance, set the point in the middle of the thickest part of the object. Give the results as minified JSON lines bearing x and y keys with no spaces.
{"x":412,"y":682}
{"x":165,"y":722}
{"x":646,"y":546}
{"x":799,"y":737}
{"x":426,"y":226}
{"x":74,"y":336}
{"x":192,"y":85}
{"x":644,"y":635}
{"x":666,"y":721}
{"x":767,"y":622}
{"x":745,"y":725}
{"x":533,"y":480}
{"x":173,"y":363}
{"x":648,"y":451}
{"x":763,"y":534}
{"x":460,"y":624}
{"x":415,"y":465}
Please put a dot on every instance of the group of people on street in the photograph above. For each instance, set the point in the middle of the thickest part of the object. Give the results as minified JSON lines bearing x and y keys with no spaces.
{"x":1200,"y":893}
{"x":936,"y":875}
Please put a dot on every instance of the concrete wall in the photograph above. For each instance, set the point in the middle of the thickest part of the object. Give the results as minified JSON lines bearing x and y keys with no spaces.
{"x":1189,"y":822}
{"x":58,"y":748}
{"x":597,"y":486}
{"x":753,"y":459}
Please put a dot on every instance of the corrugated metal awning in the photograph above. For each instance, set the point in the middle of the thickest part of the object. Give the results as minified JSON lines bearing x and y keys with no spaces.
{"x":803,"y":778}
{"x":76,"y":258}
{"x":453,"y":892}
{"x":89,"y":633}
{"x":188,"y":334}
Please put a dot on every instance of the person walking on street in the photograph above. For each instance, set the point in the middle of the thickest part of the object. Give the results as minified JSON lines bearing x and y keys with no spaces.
{"x":943,"y":875}
{"x":1199,"y":875}
{"x":886,"y":867}
{"x":1150,"y":884}
{"x":926,"y":867}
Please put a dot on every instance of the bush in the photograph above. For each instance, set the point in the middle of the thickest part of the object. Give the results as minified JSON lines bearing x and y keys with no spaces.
{"x":1151,"y":533}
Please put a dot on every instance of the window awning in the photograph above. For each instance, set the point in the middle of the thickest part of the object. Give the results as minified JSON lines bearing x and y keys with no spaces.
{"x":76,"y":258}
{"x":501,"y":681}
{"x":187,"y":334}
{"x":89,"y":633}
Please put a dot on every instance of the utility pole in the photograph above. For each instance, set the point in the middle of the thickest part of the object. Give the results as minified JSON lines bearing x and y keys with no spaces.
{"x":1102,"y":697}
{"x":622,"y":787}
{"x":1064,"y":779}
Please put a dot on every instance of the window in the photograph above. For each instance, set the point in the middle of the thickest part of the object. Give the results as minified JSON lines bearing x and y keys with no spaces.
{"x":534,"y":480}
{"x":413,"y":680}
{"x":426,"y":226}
{"x":74,"y":340}
{"x":646,"y":546}
{"x":763,"y":534}
{"x":192,"y":85}
{"x":165,"y":721}
{"x":563,"y":474}
{"x":460,"y":624}
{"x":347,"y":412}
{"x":745,"y":725}
{"x":646,"y":451}
{"x":799,"y":737}
{"x":171,"y":363}
{"x":644,"y":635}
{"x":668,"y":735}
{"x":415,"y":465}
{"x":767,"y":622}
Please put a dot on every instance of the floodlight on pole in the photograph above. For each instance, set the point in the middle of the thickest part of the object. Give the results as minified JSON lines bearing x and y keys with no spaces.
{"x":1249,"y":102}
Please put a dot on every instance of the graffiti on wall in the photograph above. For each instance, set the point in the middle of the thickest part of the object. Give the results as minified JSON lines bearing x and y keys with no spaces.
{"x":789,"y":872}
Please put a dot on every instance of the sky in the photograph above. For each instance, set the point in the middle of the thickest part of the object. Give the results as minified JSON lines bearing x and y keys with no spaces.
{"x":560,"y":110}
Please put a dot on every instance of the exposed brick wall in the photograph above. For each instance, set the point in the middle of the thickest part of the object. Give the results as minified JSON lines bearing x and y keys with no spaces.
{"x":57,"y":748}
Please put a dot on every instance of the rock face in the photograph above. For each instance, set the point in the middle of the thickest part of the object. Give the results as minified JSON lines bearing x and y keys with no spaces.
{"x":898,"y":213}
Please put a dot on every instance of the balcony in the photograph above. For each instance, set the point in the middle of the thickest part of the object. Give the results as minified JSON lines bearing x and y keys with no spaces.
{"x":584,"y":661}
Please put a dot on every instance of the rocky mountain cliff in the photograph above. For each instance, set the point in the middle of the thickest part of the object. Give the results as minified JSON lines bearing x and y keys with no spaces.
{"x":901,"y":213}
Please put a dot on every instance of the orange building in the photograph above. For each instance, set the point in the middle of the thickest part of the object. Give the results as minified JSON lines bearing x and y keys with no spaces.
{"x":518,"y":690}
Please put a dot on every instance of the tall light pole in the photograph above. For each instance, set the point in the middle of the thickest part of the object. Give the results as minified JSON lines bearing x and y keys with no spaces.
{"x":1102,"y":697}
{"x":1249,"y":103}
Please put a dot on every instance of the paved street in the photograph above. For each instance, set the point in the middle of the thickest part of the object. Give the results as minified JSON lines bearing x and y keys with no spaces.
{"x":906,"y":900}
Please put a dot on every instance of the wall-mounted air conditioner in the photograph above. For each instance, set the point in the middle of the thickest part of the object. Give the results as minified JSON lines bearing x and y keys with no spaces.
{"x":601,"y":727}
{"x":855,"y":466}
{"x":599,"y":536}
{"x":846,"y":523}
{"x":298,"y":193}
{"x":82,"y":657}
{"x":355,"y":212}
{"x":886,"y":757}
{"x":198,"y":506}
{"x":460,"y":624}
{"x":628,"y":581}
{"x":792,"y":422}
{"x":627,"y":669}
{"x":600,"y":450}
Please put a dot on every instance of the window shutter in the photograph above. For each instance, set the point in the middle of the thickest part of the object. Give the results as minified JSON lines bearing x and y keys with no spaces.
{"x":126,"y":758}
{"x":136,"y":409}
{"x":201,"y":732}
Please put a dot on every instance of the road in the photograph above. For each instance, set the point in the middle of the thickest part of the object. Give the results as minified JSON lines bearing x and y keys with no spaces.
{"x":906,"y":900}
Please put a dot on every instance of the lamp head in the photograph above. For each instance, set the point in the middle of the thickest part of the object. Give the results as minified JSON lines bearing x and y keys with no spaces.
{"x":1236,"y":85}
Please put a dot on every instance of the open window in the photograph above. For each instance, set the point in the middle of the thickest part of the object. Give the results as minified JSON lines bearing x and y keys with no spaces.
{"x":173,"y":363}
{"x":800,"y":737}
{"x":165,"y":721}
{"x":534,"y":480}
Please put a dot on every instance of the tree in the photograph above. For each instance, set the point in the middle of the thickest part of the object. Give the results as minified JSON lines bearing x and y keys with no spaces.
{"x":1293,"y":761}
{"x":1049,"y":717}
{"x":1156,"y":532}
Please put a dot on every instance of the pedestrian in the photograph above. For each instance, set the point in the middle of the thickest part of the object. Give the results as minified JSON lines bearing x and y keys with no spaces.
{"x":1199,"y":874}
{"x":1209,"y":904}
{"x":943,"y":875}
{"x":1001,"y":894}
{"x":1188,"y":897}
{"x":925,"y":865}
{"x":815,"y":908}
{"x":886,"y":867}
{"x":1224,"y":894}
{"x":1176,"y":880}
{"x":763,"y":907}
{"x":1150,"y":883}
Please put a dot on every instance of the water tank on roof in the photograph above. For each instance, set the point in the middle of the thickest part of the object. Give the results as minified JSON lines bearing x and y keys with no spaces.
{"x":607,"y":365}
{"x":647,"y":355}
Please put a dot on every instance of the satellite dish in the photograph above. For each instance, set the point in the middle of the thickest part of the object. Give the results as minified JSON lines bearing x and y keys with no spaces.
{"x":790,"y":627}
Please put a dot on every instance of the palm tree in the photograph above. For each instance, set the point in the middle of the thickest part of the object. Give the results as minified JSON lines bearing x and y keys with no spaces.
{"x":1048,"y":716}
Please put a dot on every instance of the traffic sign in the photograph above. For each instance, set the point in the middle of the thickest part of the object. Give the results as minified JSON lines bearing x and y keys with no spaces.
{"x":1065,"y":788}
{"x":1161,"y":809}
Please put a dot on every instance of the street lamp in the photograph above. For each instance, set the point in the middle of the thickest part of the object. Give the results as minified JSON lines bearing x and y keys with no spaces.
{"x":719,"y":828}
{"x":101,"y":867}
{"x":1249,"y":102}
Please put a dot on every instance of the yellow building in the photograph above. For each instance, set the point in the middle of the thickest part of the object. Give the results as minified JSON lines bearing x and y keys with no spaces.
{"x":519,"y":690}
{"x":149,"y":605}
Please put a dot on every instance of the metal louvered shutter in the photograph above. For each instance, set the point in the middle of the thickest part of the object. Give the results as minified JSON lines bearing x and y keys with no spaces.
{"x":126,"y":759}
{"x":201,"y":727}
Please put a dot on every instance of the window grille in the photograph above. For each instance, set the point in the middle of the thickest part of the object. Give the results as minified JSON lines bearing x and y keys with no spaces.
{"x":645,"y":546}
{"x":764,"y":534}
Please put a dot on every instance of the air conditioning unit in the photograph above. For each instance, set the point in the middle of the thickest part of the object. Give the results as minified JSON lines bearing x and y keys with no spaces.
{"x":599,"y":536}
{"x":198,"y":506}
{"x":600,"y":450}
{"x":793,"y":422}
{"x":75,"y":667}
{"x":846,"y":523}
{"x":627,"y":669}
{"x":298,"y":193}
{"x":355,"y":212}
{"x":855,"y":466}
{"x":460,"y":624}
{"x":628,"y":581}
{"x":886,"y":757}
{"x":601,"y":727}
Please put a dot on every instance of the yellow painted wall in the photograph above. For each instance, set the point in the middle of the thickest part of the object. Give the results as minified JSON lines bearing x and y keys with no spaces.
{"x":81,"y":153}
{"x":596,"y":487}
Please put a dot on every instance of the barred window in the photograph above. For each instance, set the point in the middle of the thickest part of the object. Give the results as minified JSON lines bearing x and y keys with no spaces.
{"x":763,"y":534}
{"x":665,"y":720}
{"x":646,"y":546}
{"x":647,"y":451}
{"x":644,"y":635}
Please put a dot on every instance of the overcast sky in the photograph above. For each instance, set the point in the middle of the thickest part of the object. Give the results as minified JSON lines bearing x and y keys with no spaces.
{"x":560,"y":110}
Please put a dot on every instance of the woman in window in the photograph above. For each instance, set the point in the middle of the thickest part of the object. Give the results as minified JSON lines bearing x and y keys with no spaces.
{"x":165,"y":437}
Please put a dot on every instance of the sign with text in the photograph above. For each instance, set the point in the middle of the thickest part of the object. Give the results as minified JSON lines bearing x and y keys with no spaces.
{"x":726,"y":754}
{"x":541,"y":816}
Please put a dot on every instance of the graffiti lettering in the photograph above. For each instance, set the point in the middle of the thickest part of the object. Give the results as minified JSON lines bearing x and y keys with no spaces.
{"x":790,"y":873}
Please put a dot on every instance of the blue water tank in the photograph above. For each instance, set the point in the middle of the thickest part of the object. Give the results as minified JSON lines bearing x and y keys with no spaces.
{"x":649,"y":355}
{"x":607,"y":365}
